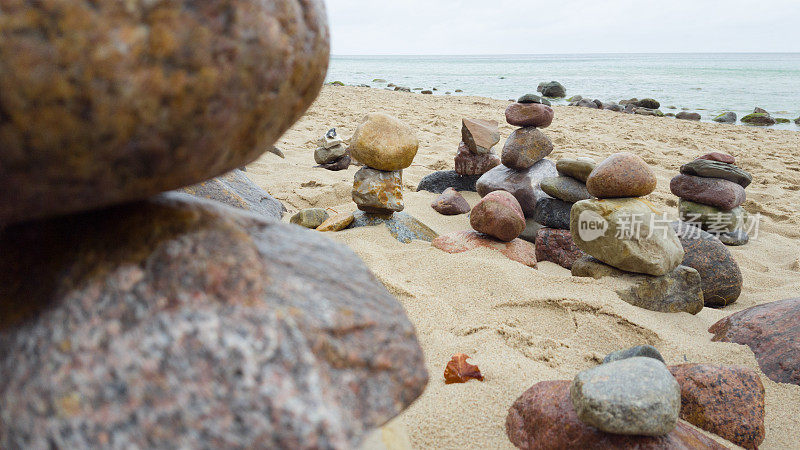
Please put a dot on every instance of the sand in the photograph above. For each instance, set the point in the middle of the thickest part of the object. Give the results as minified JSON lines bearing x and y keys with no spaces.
{"x":521,"y":325}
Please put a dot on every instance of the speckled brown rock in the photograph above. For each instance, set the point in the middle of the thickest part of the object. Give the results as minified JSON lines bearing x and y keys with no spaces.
{"x":725,"y":400}
{"x":557,"y":247}
{"x":772,"y":331}
{"x":529,"y":115}
{"x":384,"y":142}
{"x":524,"y":185}
{"x":525,"y":147}
{"x":237,"y":190}
{"x":621,"y":175}
{"x":186,"y":323}
{"x":479,"y":135}
{"x":543,"y":418}
{"x":720,"y":276}
{"x":517,"y":250}
{"x":468,"y":163}
{"x":378,"y":191}
{"x":716,"y":192}
{"x":450,"y":203}
{"x":105,"y":102}
{"x":499,"y":215}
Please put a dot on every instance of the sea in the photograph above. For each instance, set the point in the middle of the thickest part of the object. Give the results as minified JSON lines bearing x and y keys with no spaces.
{"x":709,"y":83}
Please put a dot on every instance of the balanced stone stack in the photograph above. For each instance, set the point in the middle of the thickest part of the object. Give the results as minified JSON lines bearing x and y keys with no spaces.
{"x":331,"y":153}
{"x":385,"y":146}
{"x":475,"y":155}
{"x":628,"y":239}
{"x":523,"y":166}
{"x":711,"y":190}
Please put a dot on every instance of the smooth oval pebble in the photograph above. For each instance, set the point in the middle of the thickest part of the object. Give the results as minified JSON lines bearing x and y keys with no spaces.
{"x":499,"y":215}
{"x":529,"y":115}
{"x":384,"y":142}
{"x":621,"y":175}
{"x":567,"y":189}
{"x":524,"y":148}
{"x":578,"y":168}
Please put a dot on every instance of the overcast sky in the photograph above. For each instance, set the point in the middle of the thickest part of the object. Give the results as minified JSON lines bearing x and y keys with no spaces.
{"x":439,"y":27}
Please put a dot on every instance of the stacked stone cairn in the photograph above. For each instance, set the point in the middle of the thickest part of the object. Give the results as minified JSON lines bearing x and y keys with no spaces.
{"x":634,"y":400}
{"x":134,"y":317}
{"x":711,"y":190}
{"x":332,"y":153}
{"x":475,"y":155}
{"x":628,"y":239}
{"x":523,"y":164}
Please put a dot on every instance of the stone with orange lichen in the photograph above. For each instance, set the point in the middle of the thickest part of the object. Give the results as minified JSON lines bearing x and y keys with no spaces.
{"x":105,"y":102}
{"x":377,"y":191}
{"x":458,"y":370}
{"x":517,"y":250}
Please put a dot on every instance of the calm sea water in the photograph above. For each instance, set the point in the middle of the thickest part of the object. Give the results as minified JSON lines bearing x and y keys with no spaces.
{"x":706,"y":83}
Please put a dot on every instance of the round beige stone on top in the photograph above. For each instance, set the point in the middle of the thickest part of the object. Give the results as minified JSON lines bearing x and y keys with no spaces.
{"x":384,"y":142}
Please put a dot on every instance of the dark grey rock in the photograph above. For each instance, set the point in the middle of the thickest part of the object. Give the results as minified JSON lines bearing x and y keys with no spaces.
{"x":533,"y":98}
{"x":727,"y":117}
{"x":734,"y":238}
{"x":684,"y":115}
{"x":634,"y":396}
{"x":237,"y":190}
{"x":340,"y":164}
{"x":716,"y":169}
{"x":647,"y":351}
{"x":437,"y":182}
{"x":598,"y":103}
{"x":648,"y":103}
{"x":524,"y":185}
{"x":552,"y":213}
{"x":553,"y":89}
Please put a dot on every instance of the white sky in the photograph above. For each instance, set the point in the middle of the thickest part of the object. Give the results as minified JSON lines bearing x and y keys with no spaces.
{"x":419,"y":27}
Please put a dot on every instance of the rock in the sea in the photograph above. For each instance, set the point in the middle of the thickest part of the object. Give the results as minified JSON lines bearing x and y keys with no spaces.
{"x":648,"y":103}
{"x":529,"y":115}
{"x":384,"y":142}
{"x":499,"y":215}
{"x":403,"y":227}
{"x":378,"y":191}
{"x":634,"y":396}
{"x":543,"y":418}
{"x":450,"y":203}
{"x":553,"y":89}
{"x":734,"y":238}
{"x":556,"y":246}
{"x":533,"y":98}
{"x":469,"y":163}
{"x":612,"y":106}
{"x":524,"y":185}
{"x":759,"y":119}
{"x":715,"y":169}
{"x":711,"y":218}
{"x":678,"y":291}
{"x":339,"y":164}
{"x":621,"y":175}
{"x":310,"y":217}
{"x":552,"y":212}
{"x":426,"y":92}
{"x":772,"y":331}
{"x":725,"y":400}
{"x":323,"y":155}
{"x":649,"y":112}
{"x":517,"y":250}
{"x":720,"y":275}
{"x":578,"y":168}
{"x":717,"y":192}
{"x":437,"y":182}
{"x":585,"y":103}
{"x":104,"y":102}
{"x":337,"y":222}
{"x":626,"y":233}
{"x":479,"y":135}
{"x":184,"y":322}
{"x":647,"y":351}
{"x":565,"y":188}
{"x":525,"y":147}
{"x":726,"y":117}
{"x":236,"y":189}
{"x":717,"y":156}
{"x":685,"y":115}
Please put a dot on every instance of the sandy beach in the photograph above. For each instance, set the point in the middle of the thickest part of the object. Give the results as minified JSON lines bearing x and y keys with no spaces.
{"x":521,"y":325}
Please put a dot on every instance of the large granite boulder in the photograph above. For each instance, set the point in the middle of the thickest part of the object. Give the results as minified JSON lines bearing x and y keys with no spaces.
{"x":237,"y":190}
{"x":182,"y":323}
{"x":543,"y":418}
{"x":524,"y":185}
{"x":104,"y":102}
{"x":772,"y":331}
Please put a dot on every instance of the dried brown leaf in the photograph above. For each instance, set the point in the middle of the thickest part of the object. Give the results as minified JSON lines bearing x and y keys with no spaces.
{"x":458,"y":370}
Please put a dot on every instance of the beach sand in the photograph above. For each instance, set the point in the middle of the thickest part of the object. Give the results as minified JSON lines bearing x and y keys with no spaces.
{"x":521,"y":325}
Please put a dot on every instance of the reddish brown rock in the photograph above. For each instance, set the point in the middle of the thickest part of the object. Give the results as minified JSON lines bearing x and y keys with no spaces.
{"x":525,"y":147}
{"x":469,"y":163}
{"x":721,"y":157}
{"x":543,"y":418}
{"x":517,"y":250}
{"x":716,"y":192}
{"x":557,"y":247}
{"x":105,"y":102}
{"x":772,"y":331}
{"x":450,"y":203}
{"x":499,"y":215}
{"x":529,"y":115}
{"x":621,"y":175}
{"x":180,"y":321}
{"x":725,"y":400}
{"x":479,"y":135}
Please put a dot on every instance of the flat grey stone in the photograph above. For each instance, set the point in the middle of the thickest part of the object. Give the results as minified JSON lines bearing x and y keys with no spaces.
{"x":640,"y":350}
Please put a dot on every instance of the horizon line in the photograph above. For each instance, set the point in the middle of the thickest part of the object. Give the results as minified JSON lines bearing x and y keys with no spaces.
{"x":557,"y":54}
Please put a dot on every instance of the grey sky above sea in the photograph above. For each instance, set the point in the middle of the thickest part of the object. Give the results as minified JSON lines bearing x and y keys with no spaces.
{"x":470,"y":27}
